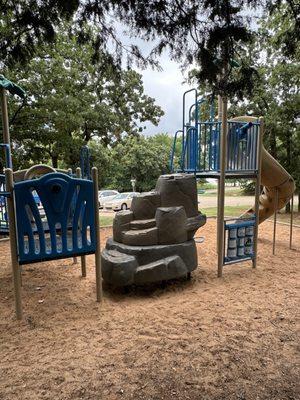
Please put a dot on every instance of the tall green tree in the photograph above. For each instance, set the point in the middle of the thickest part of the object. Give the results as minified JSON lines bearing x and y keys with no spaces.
{"x":208,"y":33}
{"x":141,"y":158}
{"x":71,"y":101}
{"x":276,"y":91}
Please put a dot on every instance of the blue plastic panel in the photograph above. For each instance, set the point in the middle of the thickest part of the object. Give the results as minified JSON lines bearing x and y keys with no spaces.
{"x":239,"y":240}
{"x":62,"y":225}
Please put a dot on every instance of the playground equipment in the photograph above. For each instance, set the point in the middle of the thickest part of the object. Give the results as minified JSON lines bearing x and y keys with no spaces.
{"x":154,"y":240}
{"x":221,"y":149}
{"x":52,"y":217}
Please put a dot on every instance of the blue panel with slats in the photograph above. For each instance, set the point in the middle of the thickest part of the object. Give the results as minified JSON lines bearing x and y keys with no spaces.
{"x":62,"y":225}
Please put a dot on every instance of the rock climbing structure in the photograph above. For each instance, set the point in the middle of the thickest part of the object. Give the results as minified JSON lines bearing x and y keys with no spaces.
{"x":153,"y":241}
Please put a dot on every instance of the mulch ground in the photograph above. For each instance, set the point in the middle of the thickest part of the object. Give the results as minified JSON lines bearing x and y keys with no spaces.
{"x":208,"y":338}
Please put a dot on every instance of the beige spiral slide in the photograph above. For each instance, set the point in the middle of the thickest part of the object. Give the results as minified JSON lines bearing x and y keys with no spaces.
{"x":276,"y":181}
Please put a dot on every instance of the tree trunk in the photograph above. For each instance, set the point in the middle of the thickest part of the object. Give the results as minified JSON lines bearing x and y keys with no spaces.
{"x":273,"y":147}
{"x":54,"y":160}
{"x":288,"y":164}
{"x":299,"y":201}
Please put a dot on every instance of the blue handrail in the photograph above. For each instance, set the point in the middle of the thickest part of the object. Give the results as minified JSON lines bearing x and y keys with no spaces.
{"x":173,"y":150}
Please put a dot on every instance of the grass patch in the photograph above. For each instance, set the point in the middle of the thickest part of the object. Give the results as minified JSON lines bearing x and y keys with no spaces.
{"x":106,"y":220}
{"x":229,"y":211}
{"x":230,"y":192}
{"x":206,"y":185}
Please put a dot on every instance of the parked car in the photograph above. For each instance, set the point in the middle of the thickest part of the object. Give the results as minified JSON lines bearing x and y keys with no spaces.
{"x":106,"y":195}
{"x":121,"y":202}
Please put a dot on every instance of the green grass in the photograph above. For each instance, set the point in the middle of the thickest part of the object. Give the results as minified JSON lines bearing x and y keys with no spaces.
{"x":232,"y":192}
{"x":229,"y":211}
{"x":206,"y":186}
{"x":106,"y":220}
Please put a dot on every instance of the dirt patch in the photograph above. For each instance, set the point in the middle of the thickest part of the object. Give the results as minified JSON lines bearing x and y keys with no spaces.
{"x":210,"y":338}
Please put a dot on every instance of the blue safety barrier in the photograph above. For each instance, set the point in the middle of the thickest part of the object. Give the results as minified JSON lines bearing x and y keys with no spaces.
{"x":200,"y":142}
{"x":201,"y":148}
{"x":239,"y":240}
{"x":64,"y":228}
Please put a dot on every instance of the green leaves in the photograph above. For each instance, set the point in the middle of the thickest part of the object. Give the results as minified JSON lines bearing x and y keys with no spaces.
{"x":144,"y":159}
{"x":71,"y":102}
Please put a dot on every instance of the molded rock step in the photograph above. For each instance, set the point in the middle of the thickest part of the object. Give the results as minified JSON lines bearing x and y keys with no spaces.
{"x":194,"y":223}
{"x":140,"y":237}
{"x":143,"y":224}
{"x":164,"y":269}
{"x":118,"y":268}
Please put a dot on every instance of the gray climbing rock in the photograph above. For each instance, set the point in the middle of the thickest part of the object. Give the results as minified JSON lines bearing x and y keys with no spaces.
{"x":171,"y":225}
{"x":145,"y":205}
{"x":140,"y":237}
{"x":194,"y":223}
{"x":123,"y":265}
{"x":178,"y":190}
{"x":121,"y":223}
{"x":118,"y":268}
{"x":143,"y":224}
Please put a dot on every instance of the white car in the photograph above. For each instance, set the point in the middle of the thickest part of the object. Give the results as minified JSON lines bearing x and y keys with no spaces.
{"x":106,"y":195}
{"x":121,"y":202}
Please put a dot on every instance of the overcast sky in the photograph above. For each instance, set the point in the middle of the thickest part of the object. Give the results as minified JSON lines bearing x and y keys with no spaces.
{"x":166,"y":87}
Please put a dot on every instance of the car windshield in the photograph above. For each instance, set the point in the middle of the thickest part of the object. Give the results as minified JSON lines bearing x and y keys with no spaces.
{"x":121,"y":196}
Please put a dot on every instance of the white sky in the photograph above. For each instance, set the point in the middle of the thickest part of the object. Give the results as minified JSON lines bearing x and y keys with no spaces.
{"x":167,"y":88}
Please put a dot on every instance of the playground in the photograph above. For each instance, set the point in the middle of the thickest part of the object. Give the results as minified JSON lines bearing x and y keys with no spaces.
{"x":149,"y":200}
{"x":208,"y":338}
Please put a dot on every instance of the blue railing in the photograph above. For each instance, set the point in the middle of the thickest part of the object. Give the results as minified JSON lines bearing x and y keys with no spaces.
{"x":172,"y":156}
{"x":201,"y":147}
{"x":63,"y":226}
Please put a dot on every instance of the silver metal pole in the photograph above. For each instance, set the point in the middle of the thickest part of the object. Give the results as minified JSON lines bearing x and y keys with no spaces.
{"x":5,"y":122}
{"x":83,"y":259}
{"x":275,"y":221}
{"x":13,"y":242}
{"x":291,"y":221}
{"x":257,"y":189}
{"x":221,"y":191}
{"x":98,"y":239}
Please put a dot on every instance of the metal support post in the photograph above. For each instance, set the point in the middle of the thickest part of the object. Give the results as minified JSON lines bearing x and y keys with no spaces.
{"x":291,"y":221}
{"x":82,"y":258}
{"x":221,"y":190}
{"x":97,"y":233}
{"x":275,"y":221}
{"x":257,"y":189}
{"x":13,"y":242}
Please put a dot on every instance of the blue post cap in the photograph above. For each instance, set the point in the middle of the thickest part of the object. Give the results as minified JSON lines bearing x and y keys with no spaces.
{"x":13,"y":88}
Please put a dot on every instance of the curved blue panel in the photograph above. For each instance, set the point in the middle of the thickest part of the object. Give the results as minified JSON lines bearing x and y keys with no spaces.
{"x":62,"y":225}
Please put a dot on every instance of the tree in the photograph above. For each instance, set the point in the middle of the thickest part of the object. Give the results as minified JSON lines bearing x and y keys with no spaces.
{"x":141,"y":158}
{"x":209,"y":33}
{"x":70,"y":101}
{"x":276,"y":91}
